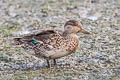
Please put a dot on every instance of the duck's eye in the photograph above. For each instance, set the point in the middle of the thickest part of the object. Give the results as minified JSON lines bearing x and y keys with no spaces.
{"x":68,"y":27}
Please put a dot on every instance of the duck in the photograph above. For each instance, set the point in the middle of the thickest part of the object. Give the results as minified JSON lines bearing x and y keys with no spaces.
{"x":52,"y":44}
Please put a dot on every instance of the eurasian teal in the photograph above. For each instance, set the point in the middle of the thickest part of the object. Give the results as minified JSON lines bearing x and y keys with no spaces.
{"x":51,"y":44}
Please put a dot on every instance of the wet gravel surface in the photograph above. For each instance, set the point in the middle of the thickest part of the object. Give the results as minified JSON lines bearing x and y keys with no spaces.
{"x":97,"y":58}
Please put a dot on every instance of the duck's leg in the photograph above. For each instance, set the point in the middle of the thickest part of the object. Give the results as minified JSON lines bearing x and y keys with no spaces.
{"x":48,"y":65}
{"x":54,"y":61}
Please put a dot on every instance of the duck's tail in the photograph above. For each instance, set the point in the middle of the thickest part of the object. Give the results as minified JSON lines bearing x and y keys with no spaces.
{"x":18,"y":41}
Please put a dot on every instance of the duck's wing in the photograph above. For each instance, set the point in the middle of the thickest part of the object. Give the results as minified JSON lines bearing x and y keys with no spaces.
{"x":34,"y":38}
{"x":43,"y":43}
{"x":45,"y":35}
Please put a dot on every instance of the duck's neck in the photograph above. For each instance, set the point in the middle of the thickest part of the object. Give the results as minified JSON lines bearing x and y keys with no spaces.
{"x":70,"y":35}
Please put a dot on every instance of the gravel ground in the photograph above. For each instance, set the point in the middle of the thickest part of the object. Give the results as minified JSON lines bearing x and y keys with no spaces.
{"x":97,"y":58}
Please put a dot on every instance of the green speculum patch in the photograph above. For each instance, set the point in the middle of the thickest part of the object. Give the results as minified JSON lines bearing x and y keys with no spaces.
{"x":34,"y":41}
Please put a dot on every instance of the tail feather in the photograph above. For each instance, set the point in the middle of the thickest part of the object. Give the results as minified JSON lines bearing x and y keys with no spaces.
{"x":18,"y":41}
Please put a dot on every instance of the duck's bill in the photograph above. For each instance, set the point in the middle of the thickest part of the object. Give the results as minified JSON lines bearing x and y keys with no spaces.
{"x":85,"y":32}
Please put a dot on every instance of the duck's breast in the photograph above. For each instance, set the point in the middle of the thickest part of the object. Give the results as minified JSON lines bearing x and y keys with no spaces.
{"x":67,"y":47}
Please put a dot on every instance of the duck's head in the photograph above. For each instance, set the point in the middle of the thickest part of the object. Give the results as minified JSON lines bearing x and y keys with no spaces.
{"x":74,"y":27}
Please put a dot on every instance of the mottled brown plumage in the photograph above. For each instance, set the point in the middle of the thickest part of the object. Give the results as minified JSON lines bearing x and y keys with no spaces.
{"x":51,"y":44}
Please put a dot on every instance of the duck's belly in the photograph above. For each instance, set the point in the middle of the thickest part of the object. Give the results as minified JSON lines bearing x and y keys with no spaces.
{"x":59,"y":54}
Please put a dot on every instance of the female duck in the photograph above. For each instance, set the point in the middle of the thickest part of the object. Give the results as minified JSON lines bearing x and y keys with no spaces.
{"x":51,"y":44}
